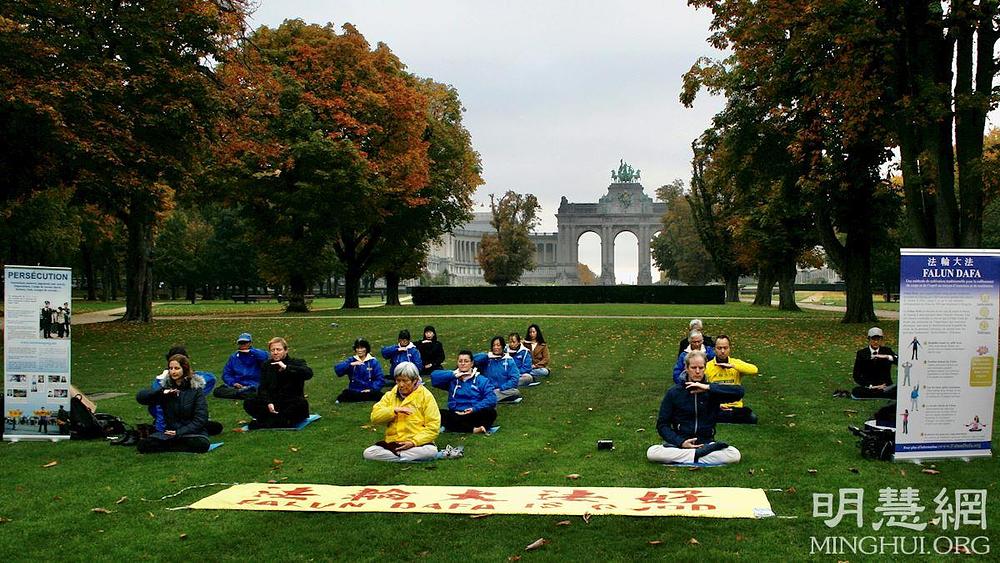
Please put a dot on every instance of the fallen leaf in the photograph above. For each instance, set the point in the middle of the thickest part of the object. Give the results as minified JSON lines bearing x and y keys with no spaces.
{"x":563,"y":523}
{"x":4,"y":520}
{"x":902,"y":472}
{"x":293,"y":448}
{"x":586,"y":518}
{"x":121,"y":500}
{"x":854,"y":470}
{"x":57,"y":497}
{"x":740,"y":537}
{"x":151,"y":515}
{"x":272,"y":481}
{"x":640,"y":429}
{"x":424,"y":553}
{"x":791,"y":490}
{"x":791,"y":425}
{"x":277,"y":461}
{"x":52,"y":463}
{"x":790,"y":415}
{"x":536,"y":544}
{"x":183,"y":536}
{"x":514,"y":558}
{"x":590,"y":408}
{"x":695,"y":468}
{"x":239,"y":429}
{"x":525,"y":473}
{"x":930,"y":471}
{"x":751,"y":472}
{"x":478,"y":516}
{"x":850,"y":411}
{"x":693,"y":541}
{"x":655,"y":542}
{"x":573,"y":476}
{"x":811,"y":471}
{"x":100,"y":510}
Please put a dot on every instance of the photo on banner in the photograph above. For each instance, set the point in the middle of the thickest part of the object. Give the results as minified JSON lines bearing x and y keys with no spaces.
{"x":946,"y":379}
{"x":37,"y":333}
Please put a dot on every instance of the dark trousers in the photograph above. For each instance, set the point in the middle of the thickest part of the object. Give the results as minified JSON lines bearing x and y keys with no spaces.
{"x":863,"y":392}
{"x":194,"y":444}
{"x":290,"y":411}
{"x":348,"y":396}
{"x":227,"y":392}
{"x":466,"y":422}
{"x":736,"y":415}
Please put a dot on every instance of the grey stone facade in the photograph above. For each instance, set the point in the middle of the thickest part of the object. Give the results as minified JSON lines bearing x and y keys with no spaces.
{"x":625,"y":207}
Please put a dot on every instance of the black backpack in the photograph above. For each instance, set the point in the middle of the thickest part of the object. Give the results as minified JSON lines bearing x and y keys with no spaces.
{"x":86,"y":425}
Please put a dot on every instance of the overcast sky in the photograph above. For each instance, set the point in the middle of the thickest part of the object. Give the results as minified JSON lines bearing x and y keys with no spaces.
{"x":555,"y":91}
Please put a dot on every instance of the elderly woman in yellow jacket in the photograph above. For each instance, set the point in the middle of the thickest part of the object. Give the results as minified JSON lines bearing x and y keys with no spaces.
{"x":412,"y":416}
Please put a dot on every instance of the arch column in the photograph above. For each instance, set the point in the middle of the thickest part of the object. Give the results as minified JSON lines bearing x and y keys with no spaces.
{"x":607,"y":257}
{"x":645,"y":273}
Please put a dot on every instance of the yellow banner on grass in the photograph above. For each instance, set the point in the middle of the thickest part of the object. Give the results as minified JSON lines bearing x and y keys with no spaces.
{"x":712,"y":502}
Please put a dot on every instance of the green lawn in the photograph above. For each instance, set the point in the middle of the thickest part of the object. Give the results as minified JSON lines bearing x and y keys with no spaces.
{"x":220,"y":307}
{"x":609,"y":376}
{"x":838,"y":299}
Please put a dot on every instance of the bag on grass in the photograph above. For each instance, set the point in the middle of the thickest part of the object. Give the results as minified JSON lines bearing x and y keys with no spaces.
{"x":87,"y":425}
{"x":876,"y":442}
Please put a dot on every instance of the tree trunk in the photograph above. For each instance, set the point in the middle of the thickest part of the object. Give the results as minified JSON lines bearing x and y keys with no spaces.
{"x":733,"y":288}
{"x":352,"y":284}
{"x":765,"y":285}
{"x":392,"y":288}
{"x":138,"y":271}
{"x":857,"y":279}
{"x":297,"y":294}
{"x":786,"y":288}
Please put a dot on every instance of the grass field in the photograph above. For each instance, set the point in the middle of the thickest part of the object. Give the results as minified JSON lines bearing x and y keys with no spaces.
{"x":609,"y":375}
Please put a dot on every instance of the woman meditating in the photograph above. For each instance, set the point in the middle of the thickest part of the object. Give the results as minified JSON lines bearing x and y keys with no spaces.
{"x":184,"y":409}
{"x":471,"y":400}
{"x":365,"y":372}
{"x":412,"y":418}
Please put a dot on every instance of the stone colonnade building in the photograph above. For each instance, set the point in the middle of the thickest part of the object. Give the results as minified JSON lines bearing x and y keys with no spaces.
{"x":625,"y":207}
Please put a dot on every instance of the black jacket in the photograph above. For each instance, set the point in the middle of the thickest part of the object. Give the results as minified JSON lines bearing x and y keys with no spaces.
{"x":278,"y":386}
{"x":686,"y":415}
{"x":431,"y":353}
{"x":186,"y":412}
{"x":873,"y":372}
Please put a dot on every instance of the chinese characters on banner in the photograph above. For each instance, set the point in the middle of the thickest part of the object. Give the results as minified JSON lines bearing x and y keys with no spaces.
{"x":36,"y":352}
{"x":948,"y":304}
{"x":904,"y":508}
{"x":713,"y":502}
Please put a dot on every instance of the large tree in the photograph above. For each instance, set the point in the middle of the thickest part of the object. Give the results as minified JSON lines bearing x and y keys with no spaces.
{"x":505,"y":254}
{"x":117,"y":100}
{"x":678,"y":250}
{"x":327,"y":147}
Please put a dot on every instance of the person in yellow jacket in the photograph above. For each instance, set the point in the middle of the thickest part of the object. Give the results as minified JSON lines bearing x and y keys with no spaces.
{"x":412,"y":416}
{"x":726,"y":370}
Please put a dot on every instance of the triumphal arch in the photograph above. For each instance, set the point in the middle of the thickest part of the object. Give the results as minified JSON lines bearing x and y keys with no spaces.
{"x":625,"y":207}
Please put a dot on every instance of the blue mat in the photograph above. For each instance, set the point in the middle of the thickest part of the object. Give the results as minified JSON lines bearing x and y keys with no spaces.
{"x":694,"y":464}
{"x":493,"y":430}
{"x":312,"y":418}
{"x":215,"y":446}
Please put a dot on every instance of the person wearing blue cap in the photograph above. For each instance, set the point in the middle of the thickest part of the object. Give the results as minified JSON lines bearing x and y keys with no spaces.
{"x":241,"y":375}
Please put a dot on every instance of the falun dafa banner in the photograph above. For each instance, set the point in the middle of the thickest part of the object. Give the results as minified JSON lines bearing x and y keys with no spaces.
{"x":711,"y":502}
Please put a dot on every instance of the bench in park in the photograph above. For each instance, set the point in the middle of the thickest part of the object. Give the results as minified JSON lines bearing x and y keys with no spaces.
{"x":253,"y":298}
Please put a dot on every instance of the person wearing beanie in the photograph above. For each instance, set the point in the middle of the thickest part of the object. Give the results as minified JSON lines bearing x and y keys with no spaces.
{"x":241,"y":374}
{"x":873,"y":369}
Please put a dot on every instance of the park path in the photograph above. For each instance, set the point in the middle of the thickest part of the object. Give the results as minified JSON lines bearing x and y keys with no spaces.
{"x":97,"y":316}
{"x":880,"y":313}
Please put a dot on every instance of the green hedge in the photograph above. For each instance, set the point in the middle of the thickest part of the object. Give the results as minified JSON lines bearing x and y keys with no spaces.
{"x":676,"y":294}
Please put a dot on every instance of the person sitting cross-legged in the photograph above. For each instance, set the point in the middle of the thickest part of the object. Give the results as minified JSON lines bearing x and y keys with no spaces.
{"x":522,"y":359}
{"x":366,"y":379}
{"x":501,"y":370}
{"x":687,"y":419}
{"x":873,"y":369}
{"x":696,"y":341}
{"x":727,"y":370}
{"x":403,"y":351}
{"x":412,"y":418}
{"x":471,"y":400}
{"x":280,"y":400}
{"x":241,"y":374}
{"x":185,"y":411}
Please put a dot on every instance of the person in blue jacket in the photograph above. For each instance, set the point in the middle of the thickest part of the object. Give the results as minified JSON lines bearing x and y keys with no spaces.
{"x":241,"y":374}
{"x":501,"y":370}
{"x":207,"y":383}
{"x":696,"y":341}
{"x":366,"y":375}
{"x":403,"y":351}
{"x":687,"y":419}
{"x":522,"y":359}
{"x":471,"y":400}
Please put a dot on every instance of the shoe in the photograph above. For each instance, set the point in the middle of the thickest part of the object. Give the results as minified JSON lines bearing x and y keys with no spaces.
{"x":513,"y":401}
{"x":534,"y":383}
{"x":450,"y":452}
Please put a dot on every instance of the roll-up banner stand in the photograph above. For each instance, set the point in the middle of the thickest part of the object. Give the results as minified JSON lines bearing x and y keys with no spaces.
{"x":946,"y":380}
{"x":36,"y":352}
